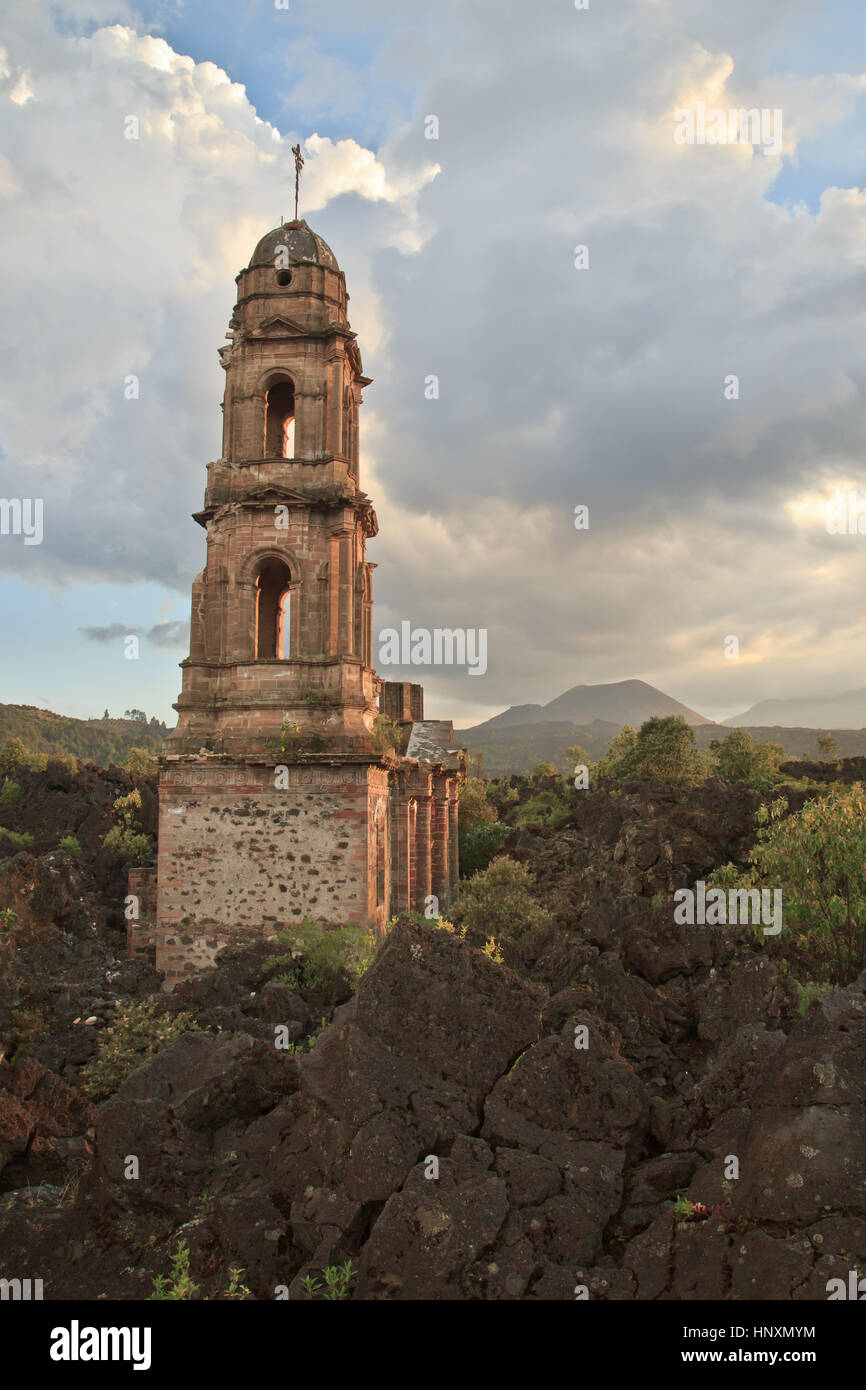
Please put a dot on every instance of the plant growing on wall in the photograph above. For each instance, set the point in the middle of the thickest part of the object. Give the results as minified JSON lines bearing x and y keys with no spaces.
{"x":387,"y":734}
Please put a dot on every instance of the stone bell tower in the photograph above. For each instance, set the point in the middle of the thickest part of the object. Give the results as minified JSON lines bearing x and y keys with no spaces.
{"x":274,"y":801}
{"x":282,"y":614}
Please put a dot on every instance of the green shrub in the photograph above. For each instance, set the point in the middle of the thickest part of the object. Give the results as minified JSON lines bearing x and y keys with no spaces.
{"x":619,"y":754}
{"x":178,"y":1283}
{"x":236,"y":1290}
{"x":480,"y":833}
{"x":499,"y":902}
{"x":69,"y":845}
{"x":740,"y":759}
{"x":10,"y":792}
{"x":545,"y":808}
{"x":132,"y":846}
{"x":817,"y":857}
{"x":478,"y":845}
{"x":807,"y":994}
{"x":140,"y":762}
{"x":127,"y":839}
{"x":336,"y":1286}
{"x":501,"y":796}
{"x":18,"y":839}
{"x":473,"y":806}
{"x":137,"y":1033}
{"x":442,"y":924}
{"x":13,"y":754}
{"x":575,"y":756}
{"x":312,"y":955}
{"x":828,"y":748}
{"x":663,"y":751}
{"x":542,"y":771}
{"x":422,"y":920}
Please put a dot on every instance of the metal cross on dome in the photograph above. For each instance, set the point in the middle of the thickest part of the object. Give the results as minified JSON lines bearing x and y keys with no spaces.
{"x":299,"y":164}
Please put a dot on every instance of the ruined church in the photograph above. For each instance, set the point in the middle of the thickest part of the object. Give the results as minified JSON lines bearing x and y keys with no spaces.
{"x":278,"y":798}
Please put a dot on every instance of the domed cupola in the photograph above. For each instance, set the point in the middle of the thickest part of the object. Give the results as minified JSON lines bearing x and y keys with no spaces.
{"x":294,"y":273}
{"x":302,"y":244}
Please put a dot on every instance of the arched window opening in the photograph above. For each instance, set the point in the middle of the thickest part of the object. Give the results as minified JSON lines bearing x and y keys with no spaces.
{"x":272,"y":610}
{"x":280,"y":421}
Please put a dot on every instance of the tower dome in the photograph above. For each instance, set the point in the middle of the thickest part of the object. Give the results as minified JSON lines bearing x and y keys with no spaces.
{"x":303,"y":244}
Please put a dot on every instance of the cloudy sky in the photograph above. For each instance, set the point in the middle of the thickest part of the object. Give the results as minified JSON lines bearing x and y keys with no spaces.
{"x":559,"y":386}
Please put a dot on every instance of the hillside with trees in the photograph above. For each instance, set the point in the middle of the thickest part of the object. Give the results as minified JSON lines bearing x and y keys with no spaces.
{"x":100,"y":741}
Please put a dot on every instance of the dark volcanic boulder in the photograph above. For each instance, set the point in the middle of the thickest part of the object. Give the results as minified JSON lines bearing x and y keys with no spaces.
{"x":392,"y":1080}
{"x":36,"y":1110}
{"x":475,"y":1016}
{"x":176,"y":1114}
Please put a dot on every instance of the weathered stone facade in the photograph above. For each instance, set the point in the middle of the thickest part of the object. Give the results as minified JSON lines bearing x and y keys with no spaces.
{"x":276,"y":801}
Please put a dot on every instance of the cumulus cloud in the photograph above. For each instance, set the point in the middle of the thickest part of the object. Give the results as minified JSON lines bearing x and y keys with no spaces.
{"x":606,"y":386}
{"x":129,"y":248}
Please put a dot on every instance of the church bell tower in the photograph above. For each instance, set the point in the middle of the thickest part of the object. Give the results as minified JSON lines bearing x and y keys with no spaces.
{"x":274,"y":801}
{"x":281,"y":631}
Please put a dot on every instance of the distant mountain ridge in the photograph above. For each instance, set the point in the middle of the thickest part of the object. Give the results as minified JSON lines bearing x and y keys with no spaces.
{"x":590,"y":715}
{"x":618,"y":703}
{"x":846,"y":711}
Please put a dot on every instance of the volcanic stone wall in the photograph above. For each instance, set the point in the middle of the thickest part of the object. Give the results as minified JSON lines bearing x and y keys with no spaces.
{"x":247,"y":849}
